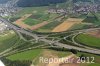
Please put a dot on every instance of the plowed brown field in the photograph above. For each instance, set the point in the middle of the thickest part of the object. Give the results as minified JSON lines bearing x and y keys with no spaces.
{"x":73,"y":59}
{"x":95,"y":33}
{"x":67,"y":24}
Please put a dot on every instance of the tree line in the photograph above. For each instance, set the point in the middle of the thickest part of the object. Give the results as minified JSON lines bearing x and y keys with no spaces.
{"x":30,"y":3}
{"x":8,"y":62}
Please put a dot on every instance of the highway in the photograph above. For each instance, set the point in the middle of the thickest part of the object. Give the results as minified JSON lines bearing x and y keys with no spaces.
{"x":78,"y":44}
{"x":21,"y":30}
{"x":49,"y":41}
{"x":72,"y":47}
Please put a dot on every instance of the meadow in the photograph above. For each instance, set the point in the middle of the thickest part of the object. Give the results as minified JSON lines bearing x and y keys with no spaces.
{"x":7,"y":40}
{"x":88,"y":40}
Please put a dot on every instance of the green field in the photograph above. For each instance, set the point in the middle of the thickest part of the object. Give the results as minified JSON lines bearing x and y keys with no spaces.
{"x":88,"y":40}
{"x":90,"y":19}
{"x":96,"y":58}
{"x":39,"y":18}
{"x":32,"y":54}
{"x":79,"y":26}
{"x":36,"y":19}
{"x":49,"y":27}
{"x":27,"y":55}
{"x":29,"y":10}
{"x":40,"y":15}
{"x":31,"y":22}
{"x":93,"y":18}
{"x":94,"y":64}
{"x":7,"y":40}
{"x":35,"y":16}
{"x":36,"y":53}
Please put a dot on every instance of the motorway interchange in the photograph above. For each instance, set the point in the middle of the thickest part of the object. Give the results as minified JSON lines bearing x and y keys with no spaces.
{"x":52,"y":43}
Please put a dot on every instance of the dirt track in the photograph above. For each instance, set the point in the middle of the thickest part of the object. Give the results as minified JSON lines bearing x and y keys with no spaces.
{"x":67,"y":24}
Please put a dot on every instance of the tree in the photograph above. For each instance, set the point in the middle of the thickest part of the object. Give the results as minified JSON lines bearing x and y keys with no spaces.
{"x":73,"y":51}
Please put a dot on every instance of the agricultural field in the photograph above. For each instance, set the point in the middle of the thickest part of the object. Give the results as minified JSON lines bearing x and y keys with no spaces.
{"x":20,"y":22}
{"x":96,"y":58}
{"x":88,"y":40}
{"x":49,"y":27}
{"x":79,"y":26}
{"x":29,"y":10}
{"x":75,"y":25}
{"x":36,"y":19}
{"x":93,"y":18}
{"x":39,"y":14}
{"x":27,"y":55}
{"x":36,"y":53}
{"x":95,"y":33}
{"x":67,"y":24}
{"x":7,"y":40}
{"x":31,"y":22}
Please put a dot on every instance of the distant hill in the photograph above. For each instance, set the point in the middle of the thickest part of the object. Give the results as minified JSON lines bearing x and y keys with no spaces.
{"x":3,"y":1}
{"x":28,"y":3}
{"x":96,"y":1}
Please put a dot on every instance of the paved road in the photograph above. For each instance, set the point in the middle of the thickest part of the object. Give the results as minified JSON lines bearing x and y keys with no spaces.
{"x":71,"y":47}
{"x":49,"y":41}
{"x":17,"y":51}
